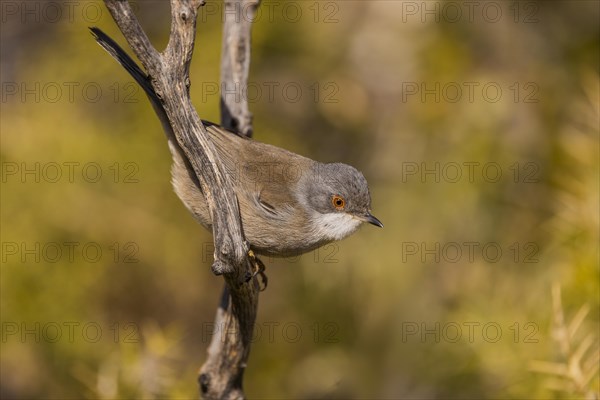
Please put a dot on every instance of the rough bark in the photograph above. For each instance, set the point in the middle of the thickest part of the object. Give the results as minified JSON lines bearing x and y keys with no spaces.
{"x":222,"y":374}
{"x":235,"y":64}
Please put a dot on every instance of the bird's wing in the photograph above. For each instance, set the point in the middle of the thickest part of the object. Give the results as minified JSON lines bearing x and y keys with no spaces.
{"x":264,"y":175}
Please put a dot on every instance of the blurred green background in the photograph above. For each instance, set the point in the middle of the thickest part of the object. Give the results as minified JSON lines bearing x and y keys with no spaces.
{"x":475,"y":123}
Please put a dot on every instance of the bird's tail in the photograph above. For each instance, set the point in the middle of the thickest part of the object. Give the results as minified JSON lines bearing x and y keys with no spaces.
{"x":179,"y":158}
{"x":136,"y":73}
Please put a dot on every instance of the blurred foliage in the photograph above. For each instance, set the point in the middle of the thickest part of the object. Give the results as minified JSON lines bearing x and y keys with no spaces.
{"x":363,"y":318}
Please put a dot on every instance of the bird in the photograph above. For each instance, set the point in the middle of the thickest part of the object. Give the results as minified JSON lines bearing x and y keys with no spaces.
{"x":289,"y":204}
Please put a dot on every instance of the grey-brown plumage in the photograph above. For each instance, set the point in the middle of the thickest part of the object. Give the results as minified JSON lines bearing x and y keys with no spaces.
{"x":286,"y":200}
{"x":289,"y":204}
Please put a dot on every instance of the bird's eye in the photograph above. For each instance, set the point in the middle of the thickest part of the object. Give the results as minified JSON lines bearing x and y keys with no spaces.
{"x":338,"y":202}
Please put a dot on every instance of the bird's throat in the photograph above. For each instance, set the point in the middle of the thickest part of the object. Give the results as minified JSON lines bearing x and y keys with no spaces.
{"x":334,"y":226}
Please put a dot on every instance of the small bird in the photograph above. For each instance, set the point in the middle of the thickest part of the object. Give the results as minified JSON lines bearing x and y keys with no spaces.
{"x":289,"y":204}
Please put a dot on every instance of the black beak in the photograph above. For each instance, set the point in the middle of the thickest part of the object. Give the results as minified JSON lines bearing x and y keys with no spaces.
{"x":372,"y":220}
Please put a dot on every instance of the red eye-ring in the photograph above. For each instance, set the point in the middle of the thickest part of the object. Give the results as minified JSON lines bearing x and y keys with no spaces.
{"x":338,"y":202}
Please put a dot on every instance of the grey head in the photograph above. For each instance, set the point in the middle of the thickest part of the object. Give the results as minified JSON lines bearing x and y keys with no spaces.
{"x":337,"y":200}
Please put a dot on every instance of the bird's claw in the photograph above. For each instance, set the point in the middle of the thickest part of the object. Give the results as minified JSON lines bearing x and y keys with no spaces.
{"x":258,"y":269}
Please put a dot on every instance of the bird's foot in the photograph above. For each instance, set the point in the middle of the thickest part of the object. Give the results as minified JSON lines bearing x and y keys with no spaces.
{"x":258,"y":269}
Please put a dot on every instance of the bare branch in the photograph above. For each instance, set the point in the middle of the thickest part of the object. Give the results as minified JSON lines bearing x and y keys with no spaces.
{"x":235,"y":64}
{"x":221,"y":375}
{"x":169,"y":76}
{"x":136,"y":37}
{"x":167,"y":86}
{"x":181,"y":40}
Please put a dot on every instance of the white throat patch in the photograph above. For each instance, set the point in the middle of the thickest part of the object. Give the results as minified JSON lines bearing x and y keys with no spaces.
{"x":334,"y":226}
